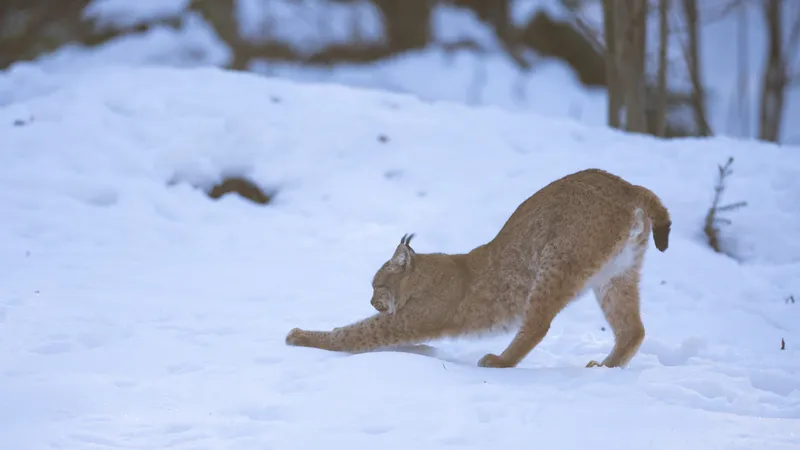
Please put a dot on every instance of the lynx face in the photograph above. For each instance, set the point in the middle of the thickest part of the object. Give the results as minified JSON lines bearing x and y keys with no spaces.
{"x":388,"y":295}
{"x":384,"y":298}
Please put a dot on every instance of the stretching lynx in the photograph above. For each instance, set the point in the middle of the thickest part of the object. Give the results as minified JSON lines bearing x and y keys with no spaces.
{"x":587,"y":230}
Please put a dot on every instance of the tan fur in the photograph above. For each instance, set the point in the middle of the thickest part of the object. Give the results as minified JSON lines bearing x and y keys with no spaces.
{"x":587,"y":230}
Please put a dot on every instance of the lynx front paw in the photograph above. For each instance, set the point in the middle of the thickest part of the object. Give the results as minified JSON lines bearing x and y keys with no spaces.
{"x":298,"y":338}
{"x":594,"y":363}
{"x":492,"y":360}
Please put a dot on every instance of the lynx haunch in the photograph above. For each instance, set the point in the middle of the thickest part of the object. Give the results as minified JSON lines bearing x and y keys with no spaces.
{"x":587,"y":230}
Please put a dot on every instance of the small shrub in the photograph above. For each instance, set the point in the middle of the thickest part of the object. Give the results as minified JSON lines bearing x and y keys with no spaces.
{"x":711,"y":228}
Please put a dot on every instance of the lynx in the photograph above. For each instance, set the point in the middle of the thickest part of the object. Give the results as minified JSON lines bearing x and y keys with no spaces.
{"x":587,"y":230}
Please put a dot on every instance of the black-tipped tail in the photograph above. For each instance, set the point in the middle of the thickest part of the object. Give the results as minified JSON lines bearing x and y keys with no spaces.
{"x":661,"y":235}
{"x":658,"y":214}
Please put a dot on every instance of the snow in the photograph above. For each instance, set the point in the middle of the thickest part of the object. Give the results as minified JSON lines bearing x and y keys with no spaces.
{"x":193,"y":44}
{"x":451,"y":24}
{"x":721,"y":52}
{"x":309,"y":25}
{"x":125,"y":14}
{"x":488,"y":79}
{"x":138,"y":313}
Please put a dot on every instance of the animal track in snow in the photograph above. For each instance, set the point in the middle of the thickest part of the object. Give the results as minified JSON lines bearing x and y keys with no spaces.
{"x":100,"y":196}
{"x":124,"y":384}
{"x":689,"y":348}
{"x":774,"y":381}
{"x":176,"y":428}
{"x":267,"y":360}
{"x":57,"y":345}
{"x":717,"y":392}
{"x":185,"y":367}
{"x":265,"y":413}
{"x":377,"y":429}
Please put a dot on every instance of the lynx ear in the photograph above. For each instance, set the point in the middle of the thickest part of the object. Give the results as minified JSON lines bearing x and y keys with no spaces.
{"x":403,"y":257}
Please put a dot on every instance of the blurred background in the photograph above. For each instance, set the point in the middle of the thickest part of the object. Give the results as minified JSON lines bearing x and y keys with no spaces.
{"x":669,"y":68}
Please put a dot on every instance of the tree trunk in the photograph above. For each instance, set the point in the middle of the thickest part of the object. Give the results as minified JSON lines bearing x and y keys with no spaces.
{"x":221,"y":15}
{"x":743,"y":97}
{"x":773,"y":84}
{"x":693,"y":62}
{"x":663,"y":43}
{"x":630,"y":18}
{"x":614,"y":111}
{"x":407,"y":23}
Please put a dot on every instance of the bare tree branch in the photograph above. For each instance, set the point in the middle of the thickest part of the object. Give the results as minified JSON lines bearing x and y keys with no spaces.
{"x":711,"y":228}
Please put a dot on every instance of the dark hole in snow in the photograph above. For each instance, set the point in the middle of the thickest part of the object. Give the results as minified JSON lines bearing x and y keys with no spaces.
{"x":23,"y":122}
{"x":390,"y":104}
{"x":275,"y":99}
{"x":382,"y":138}
{"x":391,"y":174}
{"x":243,"y":187}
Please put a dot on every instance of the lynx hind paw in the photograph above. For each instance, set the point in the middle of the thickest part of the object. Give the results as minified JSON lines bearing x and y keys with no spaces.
{"x":594,"y":363}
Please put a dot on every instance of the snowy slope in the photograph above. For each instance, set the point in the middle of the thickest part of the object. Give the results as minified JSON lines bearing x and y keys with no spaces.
{"x":487,"y":79}
{"x":137,"y":313}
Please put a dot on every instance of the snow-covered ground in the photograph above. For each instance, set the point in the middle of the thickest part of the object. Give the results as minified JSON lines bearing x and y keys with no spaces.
{"x":137,"y":313}
{"x":490,"y":79}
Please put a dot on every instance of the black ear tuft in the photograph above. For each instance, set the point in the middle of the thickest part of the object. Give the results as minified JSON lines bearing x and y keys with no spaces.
{"x":406,"y":240}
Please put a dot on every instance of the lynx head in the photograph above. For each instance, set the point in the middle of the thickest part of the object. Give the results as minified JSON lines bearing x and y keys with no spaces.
{"x":391,"y":283}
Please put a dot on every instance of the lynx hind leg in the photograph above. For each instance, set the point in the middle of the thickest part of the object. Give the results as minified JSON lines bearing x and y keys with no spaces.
{"x":619,"y":300}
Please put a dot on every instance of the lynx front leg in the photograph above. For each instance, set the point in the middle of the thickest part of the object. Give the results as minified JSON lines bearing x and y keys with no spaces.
{"x":544,"y":304}
{"x":528,"y":337}
{"x":377,"y":331}
{"x":619,"y":300}
{"x":303,"y":338}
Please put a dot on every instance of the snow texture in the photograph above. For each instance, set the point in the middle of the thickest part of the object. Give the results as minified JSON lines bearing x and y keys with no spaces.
{"x":489,"y":79}
{"x":127,"y":13}
{"x":138,"y":313}
{"x":309,"y":25}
